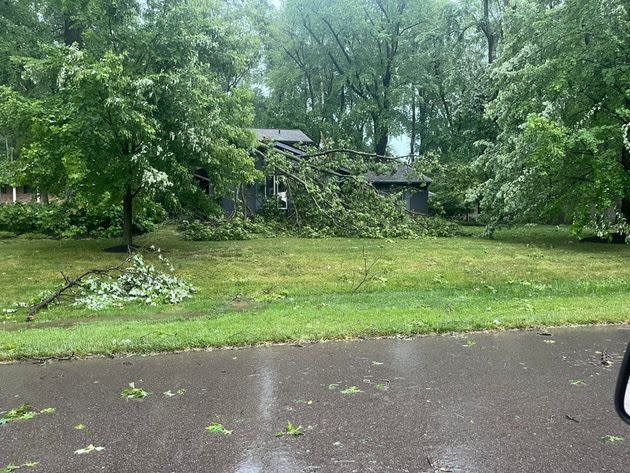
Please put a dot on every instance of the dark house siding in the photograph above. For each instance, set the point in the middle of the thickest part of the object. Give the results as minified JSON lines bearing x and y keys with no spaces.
{"x":419,"y":202}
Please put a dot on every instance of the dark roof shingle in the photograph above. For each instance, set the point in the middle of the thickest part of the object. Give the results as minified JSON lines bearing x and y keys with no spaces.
{"x":283,"y":136}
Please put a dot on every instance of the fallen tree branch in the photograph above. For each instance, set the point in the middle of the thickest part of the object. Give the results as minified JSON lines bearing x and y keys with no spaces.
{"x":366,"y":271}
{"x":70,"y":283}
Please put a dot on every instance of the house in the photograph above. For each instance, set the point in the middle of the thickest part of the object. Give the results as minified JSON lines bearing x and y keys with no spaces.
{"x":416,"y":193}
{"x":291,"y":143}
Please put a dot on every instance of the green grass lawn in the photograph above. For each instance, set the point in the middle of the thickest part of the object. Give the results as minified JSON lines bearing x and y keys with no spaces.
{"x":282,"y":289}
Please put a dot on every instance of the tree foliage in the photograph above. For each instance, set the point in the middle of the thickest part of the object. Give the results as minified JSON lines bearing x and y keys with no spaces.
{"x":145,"y":94}
{"x":563,"y":108}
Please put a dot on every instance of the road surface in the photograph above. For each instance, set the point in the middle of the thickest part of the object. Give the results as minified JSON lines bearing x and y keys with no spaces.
{"x":484,"y":402}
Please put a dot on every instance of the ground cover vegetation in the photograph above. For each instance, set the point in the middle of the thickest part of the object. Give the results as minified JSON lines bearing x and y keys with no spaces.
{"x":518,"y":109}
{"x":283,"y":289}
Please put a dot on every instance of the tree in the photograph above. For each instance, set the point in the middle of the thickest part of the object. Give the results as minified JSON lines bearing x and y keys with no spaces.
{"x":563,"y":108}
{"x":148,"y":93}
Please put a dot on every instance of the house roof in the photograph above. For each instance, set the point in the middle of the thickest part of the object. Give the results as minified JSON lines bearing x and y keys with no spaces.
{"x":404,"y":175}
{"x":283,"y":136}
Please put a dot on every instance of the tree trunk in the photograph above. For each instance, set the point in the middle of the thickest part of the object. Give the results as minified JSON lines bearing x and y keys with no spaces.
{"x":412,"y":145}
{"x":493,"y":43}
{"x":72,"y":32}
{"x":381,"y":135}
{"x":128,"y":217}
{"x":491,"y":31}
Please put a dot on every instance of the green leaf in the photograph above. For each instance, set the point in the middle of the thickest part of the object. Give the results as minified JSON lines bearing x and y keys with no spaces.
{"x":291,"y":429}
{"x":218,"y":428}
{"x":351,"y":390}
{"x":134,"y":393}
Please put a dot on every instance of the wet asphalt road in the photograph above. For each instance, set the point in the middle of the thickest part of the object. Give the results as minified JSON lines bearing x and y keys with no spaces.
{"x":479,"y":403}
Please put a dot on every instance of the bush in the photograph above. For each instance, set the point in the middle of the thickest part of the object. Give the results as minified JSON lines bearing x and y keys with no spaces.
{"x":4,"y":235}
{"x":237,"y":228}
{"x":75,"y":218}
{"x":364,"y":226}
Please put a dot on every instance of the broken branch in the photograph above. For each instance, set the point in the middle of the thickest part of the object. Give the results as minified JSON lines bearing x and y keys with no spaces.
{"x":70,"y":283}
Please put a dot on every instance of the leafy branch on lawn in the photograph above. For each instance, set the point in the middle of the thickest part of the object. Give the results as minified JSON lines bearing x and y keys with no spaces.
{"x":129,"y":281}
{"x":70,"y":283}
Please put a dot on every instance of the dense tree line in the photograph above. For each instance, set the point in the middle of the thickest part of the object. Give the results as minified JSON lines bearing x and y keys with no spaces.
{"x":524,"y":104}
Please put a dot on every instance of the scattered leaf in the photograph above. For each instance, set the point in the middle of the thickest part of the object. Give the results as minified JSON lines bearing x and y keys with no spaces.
{"x":47,"y":410}
{"x":333,"y":386}
{"x":217,"y":428}
{"x":470,"y":343}
{"x":79,"y":427}
{"x":134,"y":393}
{"x":610,"y":439}
{"x":377,"y":363}
{"x":23,"y":412}
{"x":577,"y":382}
{"x":351,"y":390}
{"x":381,"y":386}
{"x":11,"y":467}
{"x":549,"y":341}
{"x":89,"y":449}
{"x":291,"y":429}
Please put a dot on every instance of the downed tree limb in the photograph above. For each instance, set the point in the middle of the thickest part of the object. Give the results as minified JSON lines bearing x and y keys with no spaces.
{"x":70,"y":283}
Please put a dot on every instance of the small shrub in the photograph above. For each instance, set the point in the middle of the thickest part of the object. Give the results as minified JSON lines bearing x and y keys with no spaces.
{"x":75,"y":218}
{"x":237,"y":228}
{"x":5,"y":235}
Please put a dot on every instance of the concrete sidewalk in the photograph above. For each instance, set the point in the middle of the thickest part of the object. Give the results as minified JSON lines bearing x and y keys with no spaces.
{"x":498,"y":402}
